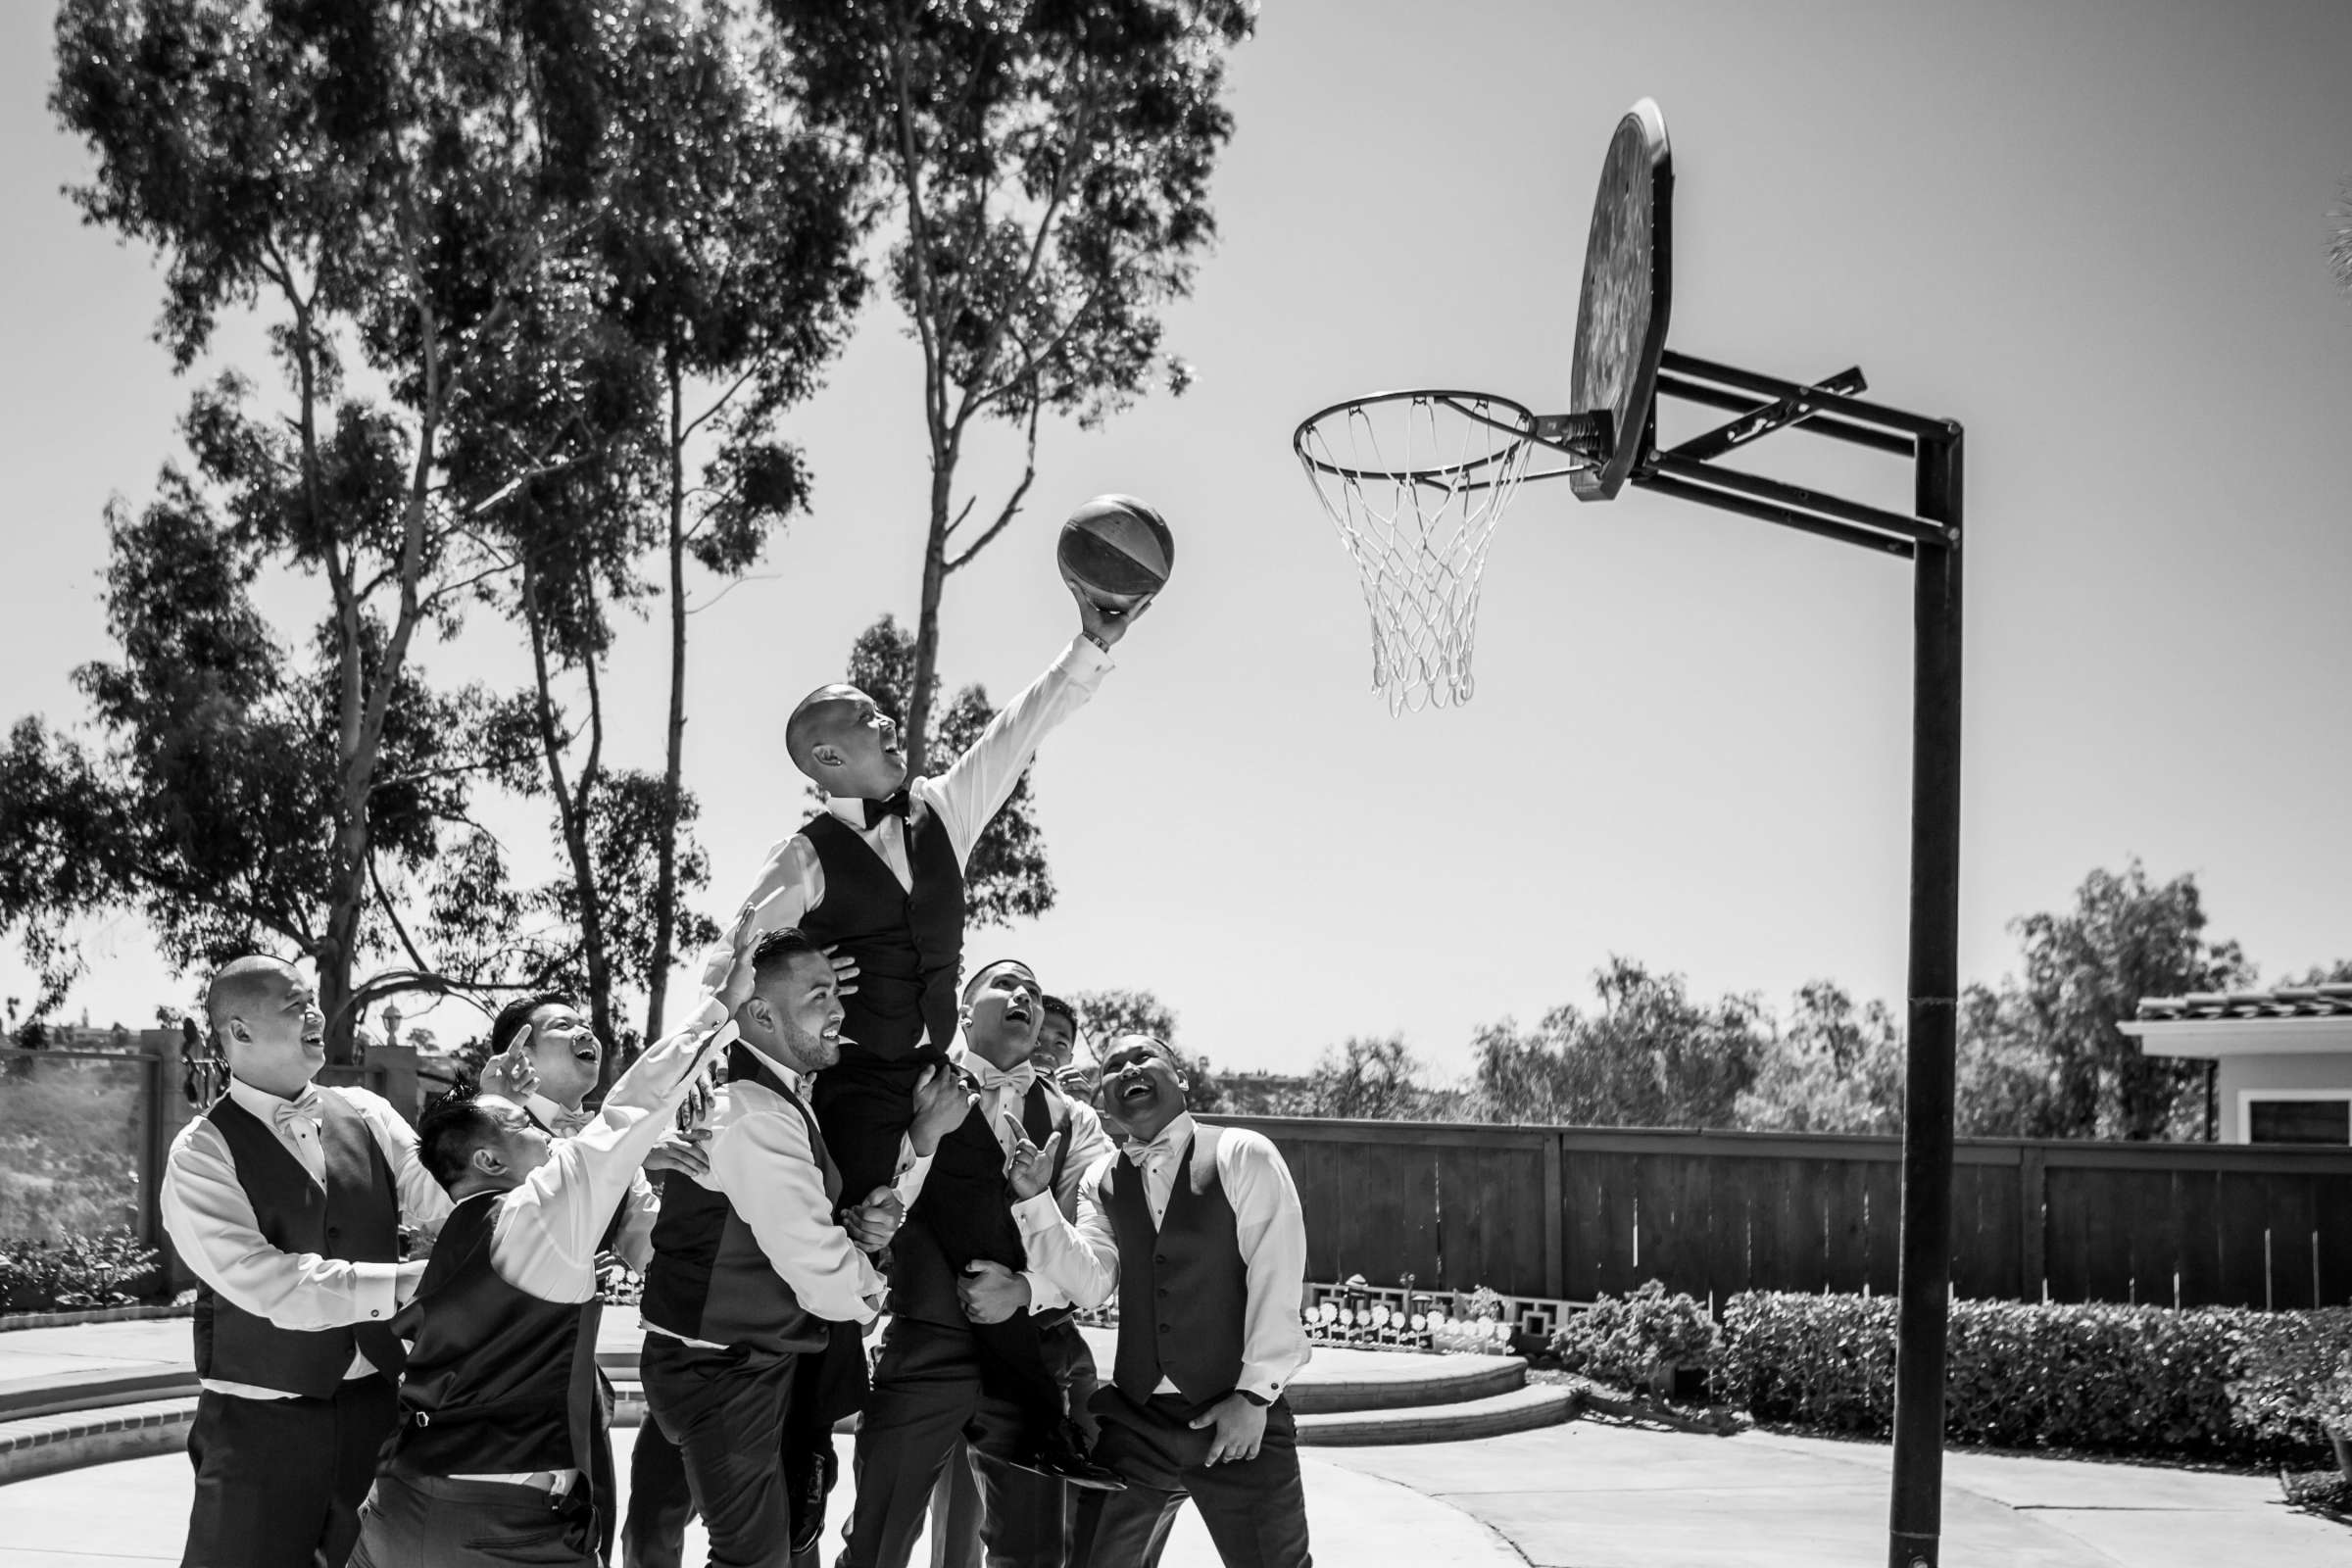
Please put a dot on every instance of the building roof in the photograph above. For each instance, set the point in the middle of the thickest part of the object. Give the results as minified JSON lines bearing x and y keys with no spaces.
{"x":2287,"y":1002}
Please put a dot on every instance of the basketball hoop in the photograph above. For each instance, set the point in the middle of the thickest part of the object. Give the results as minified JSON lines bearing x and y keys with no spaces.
{"x":1415,"y":482}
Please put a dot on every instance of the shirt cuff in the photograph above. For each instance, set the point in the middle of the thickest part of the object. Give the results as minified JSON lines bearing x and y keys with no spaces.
{"x":1083,"y":660}
{"x":1036,"y":1214}
{"x":376,"y":1297}
{"x":1264,"y":1389}
{"x":1044,"y":1295}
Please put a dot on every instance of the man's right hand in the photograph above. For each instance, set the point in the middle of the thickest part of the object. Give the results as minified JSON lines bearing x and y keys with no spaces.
{"x":941,"y":1102}
{"x":1032,"y":1170}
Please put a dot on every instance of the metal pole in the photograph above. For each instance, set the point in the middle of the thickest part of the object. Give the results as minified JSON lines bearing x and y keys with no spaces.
{"x":1916,"y":1513}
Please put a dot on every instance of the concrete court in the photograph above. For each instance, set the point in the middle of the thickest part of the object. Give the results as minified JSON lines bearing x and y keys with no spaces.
{"x":136,"y":1512}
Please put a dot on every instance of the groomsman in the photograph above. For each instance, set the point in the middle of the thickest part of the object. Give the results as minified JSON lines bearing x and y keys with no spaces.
{"x":979,"y":1349}
{"x":878,"y":874}
{"x":751,"y":1267}
{"x":1199,"y":1230}
{"x":285,"y":1200}
{"x":504,"y":1451}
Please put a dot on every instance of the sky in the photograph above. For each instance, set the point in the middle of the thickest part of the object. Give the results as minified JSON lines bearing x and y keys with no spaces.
{"x":2095,"y":233}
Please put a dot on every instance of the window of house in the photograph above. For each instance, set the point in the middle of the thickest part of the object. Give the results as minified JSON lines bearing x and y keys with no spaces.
{"x":2298,"y":1116}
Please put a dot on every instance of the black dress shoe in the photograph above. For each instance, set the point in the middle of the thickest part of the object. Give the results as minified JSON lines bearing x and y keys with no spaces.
{"x":811,"y":1481}
{"x":1074,"y":1468}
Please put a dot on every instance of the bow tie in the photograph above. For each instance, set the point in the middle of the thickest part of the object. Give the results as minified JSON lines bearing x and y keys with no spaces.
{"x":564,"y":1123}
{"x":899,"y":806}
{"x":301,"y":1108}
{"x":988,"y":1077}
{"x":1144,"y":1154}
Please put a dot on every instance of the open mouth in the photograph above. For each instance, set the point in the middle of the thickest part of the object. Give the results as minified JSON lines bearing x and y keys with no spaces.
{"x":586,"y":1054}
{"x":314,"y":1041}
{"x":1136,"y":1088}
{"x":1019,"y":1012}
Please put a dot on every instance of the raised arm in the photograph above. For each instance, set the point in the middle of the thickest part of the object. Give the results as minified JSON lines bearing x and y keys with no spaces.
{"x":974,"y":789}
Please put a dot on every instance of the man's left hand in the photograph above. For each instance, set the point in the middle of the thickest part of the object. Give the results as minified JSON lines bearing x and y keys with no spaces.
{"x":872,"y":1223}
{"x":1241,"y":1426}
{"x":991,"y":1292}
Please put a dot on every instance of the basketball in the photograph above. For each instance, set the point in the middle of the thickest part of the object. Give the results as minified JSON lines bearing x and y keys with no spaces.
{"x":1117,"y":551}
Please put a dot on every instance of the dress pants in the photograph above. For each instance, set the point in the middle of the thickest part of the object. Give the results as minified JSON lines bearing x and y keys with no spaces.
{"x":412,"y":1521}
{"x":1255,"y":1509}
{"x":279,"y":1482}
{"x":864,"y":1105}
{"x":826,"y":1388}
{"x":726,"y":1411}
{"x":929,"y":1394}
{"x":956,"y":1513}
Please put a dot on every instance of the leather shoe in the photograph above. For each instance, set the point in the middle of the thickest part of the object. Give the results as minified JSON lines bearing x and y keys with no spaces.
{"x":1075,"y":1469}
{"x":811,"y":1481}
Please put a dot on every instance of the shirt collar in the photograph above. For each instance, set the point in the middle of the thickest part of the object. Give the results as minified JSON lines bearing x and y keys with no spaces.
{"x":1173,"y":1136}
{"x":793,"y":1081}
{"x":548,"y":1111}
{"x":261,"y":1103}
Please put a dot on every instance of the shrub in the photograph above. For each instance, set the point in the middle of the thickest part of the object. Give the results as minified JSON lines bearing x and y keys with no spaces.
{"x":2289,"y":1362}
{"x":2212,"y":1382}
{"x":1626,"y":1339}
{"x":109,"y":1269}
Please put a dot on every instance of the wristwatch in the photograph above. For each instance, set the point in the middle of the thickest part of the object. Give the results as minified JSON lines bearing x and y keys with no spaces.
{"x":1097,"y":641}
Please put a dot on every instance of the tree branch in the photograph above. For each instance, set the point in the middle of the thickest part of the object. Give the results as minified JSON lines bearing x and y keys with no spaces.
{"x":1012,"y":503}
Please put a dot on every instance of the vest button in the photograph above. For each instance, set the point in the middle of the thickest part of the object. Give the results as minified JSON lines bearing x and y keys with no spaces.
{"x":333,"y":1234}
{"x":1161,"y":1262}
{"x":1164,"y":1328}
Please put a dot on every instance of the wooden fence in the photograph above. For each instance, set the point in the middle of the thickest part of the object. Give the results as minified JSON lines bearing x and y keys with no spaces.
{"x":1574,"y":1212}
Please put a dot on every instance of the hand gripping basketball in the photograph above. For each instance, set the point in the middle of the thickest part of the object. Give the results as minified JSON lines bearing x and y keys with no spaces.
{"x":1115,"y":553}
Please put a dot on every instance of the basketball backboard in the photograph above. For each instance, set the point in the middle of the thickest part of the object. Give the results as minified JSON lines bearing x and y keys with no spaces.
{"x":1628,"y":290}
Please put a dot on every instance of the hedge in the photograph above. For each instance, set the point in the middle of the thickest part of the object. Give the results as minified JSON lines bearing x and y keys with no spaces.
{"x":2210,"y":1383}
{"x":107,"y":1269}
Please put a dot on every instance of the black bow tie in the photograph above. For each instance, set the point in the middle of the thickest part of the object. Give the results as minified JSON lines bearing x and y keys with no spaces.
{"x":896,"y":806}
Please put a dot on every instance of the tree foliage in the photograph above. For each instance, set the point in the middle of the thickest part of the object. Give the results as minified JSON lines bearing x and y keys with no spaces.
{"x":2084,"y":972}
{"x":1836,"y":1067}
{"x":1650,"y":1056}
{"x":1049,"y":165}
{"x":387,"y":186}
{"x":1369,"y":1078}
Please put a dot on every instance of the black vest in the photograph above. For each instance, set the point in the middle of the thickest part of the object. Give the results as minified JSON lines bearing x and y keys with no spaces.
{"x":908,"y":946}
{"x":709,"y":1279}
{"x":964,"y":1213}
{"x":498,"y":1380}
{"x":1184,"y":1292}
{"x":357,"y":1217}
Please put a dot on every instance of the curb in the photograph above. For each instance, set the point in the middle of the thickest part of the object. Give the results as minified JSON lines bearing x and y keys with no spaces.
{"x":95,"y":1314}
{"x":41,"y":1445}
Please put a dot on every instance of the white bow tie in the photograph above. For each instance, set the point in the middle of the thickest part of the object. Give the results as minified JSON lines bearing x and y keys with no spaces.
{"x":991,"y":1078}
{"x":1158,"y":1151}
{"x":303,"y":1108}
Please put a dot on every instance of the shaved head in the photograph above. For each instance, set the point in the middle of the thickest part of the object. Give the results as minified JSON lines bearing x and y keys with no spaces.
{"x":243,"y":985}
{"x":820,"y":717}
{"x":845,"y":743}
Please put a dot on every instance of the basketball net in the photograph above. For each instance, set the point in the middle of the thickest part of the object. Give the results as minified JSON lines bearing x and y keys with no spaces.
{"x":1415,"y":482}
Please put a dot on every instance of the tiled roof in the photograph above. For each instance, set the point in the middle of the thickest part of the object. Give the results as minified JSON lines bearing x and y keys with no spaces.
{"x":2287,"y":1002}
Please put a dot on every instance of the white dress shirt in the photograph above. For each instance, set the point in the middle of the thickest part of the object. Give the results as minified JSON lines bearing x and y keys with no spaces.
{"x":1003,"y":1094}
{"x":633,"y":1236}
{"x":762,"y":1163}
{"x":1270,"y":1230}
{"x":964,"y":797}
{"x":543,"y":1239}
{"x":212,"y":1224}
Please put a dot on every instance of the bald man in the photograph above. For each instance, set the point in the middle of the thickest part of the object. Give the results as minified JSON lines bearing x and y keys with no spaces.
{"x":878,"y":877}
{"x":285,"y":1200}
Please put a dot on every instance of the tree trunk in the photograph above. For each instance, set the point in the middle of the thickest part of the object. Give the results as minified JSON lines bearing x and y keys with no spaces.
{"x":571,"y":820}
{"x":666,"y":843}
{"x":926,"y":625}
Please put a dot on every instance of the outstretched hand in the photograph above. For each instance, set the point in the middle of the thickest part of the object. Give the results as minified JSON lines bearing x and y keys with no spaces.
{"x":1105,"y":626}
